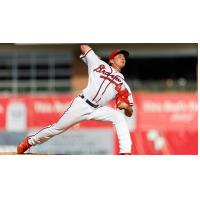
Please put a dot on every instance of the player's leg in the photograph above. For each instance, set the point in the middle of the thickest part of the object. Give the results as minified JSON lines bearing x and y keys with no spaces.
{"x":77,"y":111}
{"x":110,"y":115}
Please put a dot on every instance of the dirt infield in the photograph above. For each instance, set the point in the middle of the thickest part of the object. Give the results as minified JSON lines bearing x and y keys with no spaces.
{"x":14,"y":153}
{"x":8,"y":153}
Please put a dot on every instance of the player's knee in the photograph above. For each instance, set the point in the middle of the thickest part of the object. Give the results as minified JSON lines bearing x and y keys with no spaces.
{"x":118,"y":118}
{"x":54,"y":130}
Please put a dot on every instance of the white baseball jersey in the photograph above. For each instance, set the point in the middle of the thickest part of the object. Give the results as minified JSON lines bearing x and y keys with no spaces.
{"x":102,"y":80}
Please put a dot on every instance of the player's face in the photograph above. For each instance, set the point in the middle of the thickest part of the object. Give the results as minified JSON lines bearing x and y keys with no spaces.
{"x":119,"y":61}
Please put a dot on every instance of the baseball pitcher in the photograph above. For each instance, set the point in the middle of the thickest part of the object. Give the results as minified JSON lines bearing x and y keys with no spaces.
{"x":105,"y":83}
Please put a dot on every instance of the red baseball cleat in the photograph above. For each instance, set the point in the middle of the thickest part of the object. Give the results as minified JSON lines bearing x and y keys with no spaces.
{"x":125,"y":154}
{"x":23,"y":146}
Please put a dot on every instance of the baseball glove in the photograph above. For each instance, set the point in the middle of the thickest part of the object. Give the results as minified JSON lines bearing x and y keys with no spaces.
{"x":122,"y":99}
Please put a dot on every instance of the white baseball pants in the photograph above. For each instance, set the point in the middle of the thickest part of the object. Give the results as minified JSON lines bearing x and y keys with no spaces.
{"x":78,"y":111}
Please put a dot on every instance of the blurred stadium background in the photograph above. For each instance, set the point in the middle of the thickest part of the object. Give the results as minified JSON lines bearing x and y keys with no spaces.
{"x":37,"y":81}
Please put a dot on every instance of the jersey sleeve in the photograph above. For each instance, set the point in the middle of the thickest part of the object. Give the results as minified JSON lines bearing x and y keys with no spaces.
{"x":90,"y":59}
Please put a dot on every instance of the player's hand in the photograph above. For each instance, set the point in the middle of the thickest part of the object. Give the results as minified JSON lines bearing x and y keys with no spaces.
{"x":127,"y":109}
{"x":84,"y":48}
{"x":123,"y":105}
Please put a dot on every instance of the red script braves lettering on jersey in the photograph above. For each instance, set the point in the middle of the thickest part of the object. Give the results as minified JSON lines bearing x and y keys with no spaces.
{"x":109,"y":76}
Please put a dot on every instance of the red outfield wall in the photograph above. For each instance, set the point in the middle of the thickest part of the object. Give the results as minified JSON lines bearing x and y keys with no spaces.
{"x":166,"y":123}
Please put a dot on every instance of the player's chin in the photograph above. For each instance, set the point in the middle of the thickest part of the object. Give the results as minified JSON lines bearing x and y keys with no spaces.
{"x":122,"y":65}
